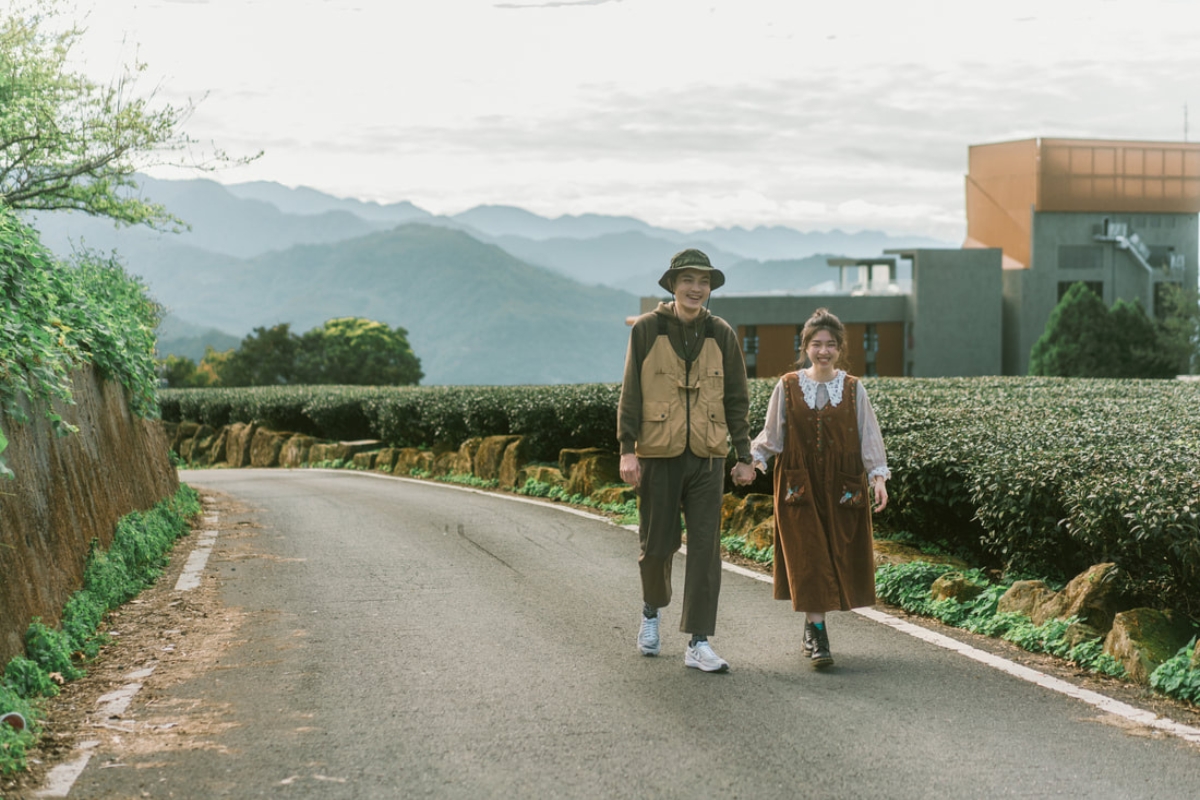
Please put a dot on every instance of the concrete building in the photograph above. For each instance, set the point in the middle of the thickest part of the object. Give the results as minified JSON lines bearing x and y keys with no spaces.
{"x":1119,"y":216}
{"x":1042,"y":214}
{"x":947,"y":324}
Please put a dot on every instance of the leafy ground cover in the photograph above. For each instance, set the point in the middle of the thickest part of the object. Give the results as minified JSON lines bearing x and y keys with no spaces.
{"x":112,"y":577}
{"x":56,"y":317}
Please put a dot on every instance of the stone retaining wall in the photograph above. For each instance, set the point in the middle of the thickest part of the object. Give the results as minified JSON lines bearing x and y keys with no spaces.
{"x":68,"y":492}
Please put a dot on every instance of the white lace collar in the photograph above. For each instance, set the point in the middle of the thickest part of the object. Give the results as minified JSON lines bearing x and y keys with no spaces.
{"x":833,"y":387}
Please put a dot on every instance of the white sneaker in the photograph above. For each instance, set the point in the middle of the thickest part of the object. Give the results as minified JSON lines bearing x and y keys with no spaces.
{"x":648,"y":640}
{"x":702,"y":657}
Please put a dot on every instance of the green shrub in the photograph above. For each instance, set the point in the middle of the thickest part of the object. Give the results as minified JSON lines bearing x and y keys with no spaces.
{"x":15,"y":745}
{"x":1176,"y":678}
{"x":907,"y":585}
{"x":51,"y":650}
{"x":27,"y":678}
{"x":60,"y":316}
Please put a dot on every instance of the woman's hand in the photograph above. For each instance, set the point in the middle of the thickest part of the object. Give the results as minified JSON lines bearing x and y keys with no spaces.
{"x":881,"y":496}
{"x":631,"y":469}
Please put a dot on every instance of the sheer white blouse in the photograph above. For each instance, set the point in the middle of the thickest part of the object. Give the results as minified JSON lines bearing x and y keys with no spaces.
{"x":817,"y":395}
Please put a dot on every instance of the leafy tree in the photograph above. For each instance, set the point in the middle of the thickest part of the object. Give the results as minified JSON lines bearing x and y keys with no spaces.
{"x":360,"y":352}
{"x":267,"y":357}
{"x":1078,"y":339}
{"x":1084,"y":340}
{"x":1179,"y":327}
{"x":181,"y":372}
{"x":1137,"y":347}
{"x":69,"y":143}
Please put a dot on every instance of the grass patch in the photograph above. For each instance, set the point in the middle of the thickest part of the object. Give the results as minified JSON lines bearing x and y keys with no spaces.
{"x":140,"y":549}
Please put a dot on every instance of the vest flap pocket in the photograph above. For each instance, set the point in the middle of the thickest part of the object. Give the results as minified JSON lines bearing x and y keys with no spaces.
{"x":716,"y":372}
{"x":657,"y":411}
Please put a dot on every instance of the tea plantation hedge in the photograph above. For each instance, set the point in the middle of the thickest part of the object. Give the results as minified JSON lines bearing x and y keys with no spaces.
{"x":1038,"y":476}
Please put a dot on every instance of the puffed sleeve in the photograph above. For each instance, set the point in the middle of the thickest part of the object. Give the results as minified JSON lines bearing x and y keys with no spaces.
{"x":873,"y":455}
{"x":770,"y":441}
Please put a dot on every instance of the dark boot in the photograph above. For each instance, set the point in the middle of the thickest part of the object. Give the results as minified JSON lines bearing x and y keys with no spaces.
{"x":821,"y":657}
{"x":808,"y":639}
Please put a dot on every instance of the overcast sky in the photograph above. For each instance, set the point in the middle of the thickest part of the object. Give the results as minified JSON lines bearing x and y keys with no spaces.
{"x":684,"y":113}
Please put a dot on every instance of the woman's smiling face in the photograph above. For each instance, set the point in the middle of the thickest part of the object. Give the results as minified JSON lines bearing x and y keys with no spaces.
{"x":822,"y":350}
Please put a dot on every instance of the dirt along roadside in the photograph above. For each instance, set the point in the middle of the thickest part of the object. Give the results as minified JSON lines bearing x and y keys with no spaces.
{"x":162,"y":638}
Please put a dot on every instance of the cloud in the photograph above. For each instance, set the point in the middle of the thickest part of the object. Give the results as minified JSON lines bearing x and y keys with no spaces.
{"x":556,"y":4}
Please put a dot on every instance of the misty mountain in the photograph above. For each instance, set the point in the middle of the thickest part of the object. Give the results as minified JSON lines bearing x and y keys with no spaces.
{"x":474,"y":313}
{"x":309,"y":202}
{"x":220,"y":222}
{"x":781,"y":243}
{"x":509,"y":221}
{"x":557,"y":290}
{"x":631,"y":261}
{"x":181,"y":338}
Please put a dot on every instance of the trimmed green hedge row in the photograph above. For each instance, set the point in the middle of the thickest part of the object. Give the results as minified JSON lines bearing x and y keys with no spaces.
{"x":1038,"y":476}
{"x":550,"y":417}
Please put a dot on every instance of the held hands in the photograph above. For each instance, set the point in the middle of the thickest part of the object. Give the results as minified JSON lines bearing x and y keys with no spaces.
{"x":631,"y":469}
{"x":742,"y":474}
{"x":879,"y":486}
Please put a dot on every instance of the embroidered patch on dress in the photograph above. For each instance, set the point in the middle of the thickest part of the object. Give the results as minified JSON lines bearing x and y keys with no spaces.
{"x":794,"y":494}
{"x":850,"y":498}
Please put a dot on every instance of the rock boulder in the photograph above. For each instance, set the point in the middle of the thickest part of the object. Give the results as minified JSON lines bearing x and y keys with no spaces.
{"x":1143,"y":638}
{"x":1091,"y":596}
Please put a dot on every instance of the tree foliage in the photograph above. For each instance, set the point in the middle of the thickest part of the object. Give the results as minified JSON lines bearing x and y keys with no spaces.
{"x":348,"y":351}
{"x":1083,"y":339}
{"x":69,"y":143}
{"x":358,"y":352}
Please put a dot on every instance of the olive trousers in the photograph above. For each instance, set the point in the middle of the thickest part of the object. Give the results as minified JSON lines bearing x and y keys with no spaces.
{"x":693,"y":486}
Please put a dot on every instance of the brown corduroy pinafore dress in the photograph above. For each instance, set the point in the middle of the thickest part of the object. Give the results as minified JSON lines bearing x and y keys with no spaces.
{"x":824,"y":553}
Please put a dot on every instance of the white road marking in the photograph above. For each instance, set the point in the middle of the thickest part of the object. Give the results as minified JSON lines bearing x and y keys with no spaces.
{"x":115,"y":702}
{"x":1095,"y":699}
{"x":60,"y":779}
{"x":198,"y":559}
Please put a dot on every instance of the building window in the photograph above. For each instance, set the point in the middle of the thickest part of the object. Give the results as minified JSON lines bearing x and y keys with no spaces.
{"x":870,"y":338}
{"x":750,"y":340}
{"x":750,"y":349}
{"x":1097,"y":288}
{"x":1080,"y":256}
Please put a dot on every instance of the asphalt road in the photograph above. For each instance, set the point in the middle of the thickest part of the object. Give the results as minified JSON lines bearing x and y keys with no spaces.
{"x":412,"y":640}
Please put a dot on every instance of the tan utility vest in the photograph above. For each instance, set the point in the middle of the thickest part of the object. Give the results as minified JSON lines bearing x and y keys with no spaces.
{"x":683,"y":405}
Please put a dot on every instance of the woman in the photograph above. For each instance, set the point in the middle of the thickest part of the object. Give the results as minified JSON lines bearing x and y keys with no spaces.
{"x":822,"y":429}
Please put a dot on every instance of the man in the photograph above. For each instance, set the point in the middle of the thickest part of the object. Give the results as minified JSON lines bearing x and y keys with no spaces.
{"x":684,"y":397}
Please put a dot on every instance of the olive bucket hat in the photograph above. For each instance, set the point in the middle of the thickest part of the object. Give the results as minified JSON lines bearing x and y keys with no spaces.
{"x":691,"y":259}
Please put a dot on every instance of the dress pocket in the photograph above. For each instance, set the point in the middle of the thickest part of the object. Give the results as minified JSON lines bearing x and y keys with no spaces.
{"x":853,"y":491}
{"x":795,"y":490}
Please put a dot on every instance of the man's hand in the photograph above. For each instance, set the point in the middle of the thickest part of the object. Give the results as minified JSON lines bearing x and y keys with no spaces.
{"x":631,"y":469}
{"x":743,"y":474}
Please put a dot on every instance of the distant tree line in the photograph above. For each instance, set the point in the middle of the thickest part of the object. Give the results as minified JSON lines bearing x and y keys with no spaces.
{"x":1084,"y":339}
{"x":348,"y":351}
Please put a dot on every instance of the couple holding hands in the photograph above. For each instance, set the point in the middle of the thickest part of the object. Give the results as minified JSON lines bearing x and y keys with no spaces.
{"x":684,"y":399}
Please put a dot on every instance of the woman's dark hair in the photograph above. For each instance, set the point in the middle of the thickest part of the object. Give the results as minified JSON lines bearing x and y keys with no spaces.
{"x":823,"y":320}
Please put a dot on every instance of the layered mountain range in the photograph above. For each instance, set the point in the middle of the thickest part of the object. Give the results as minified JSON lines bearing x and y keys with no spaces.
{"x":494,"y":295}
